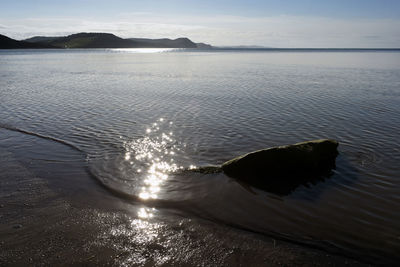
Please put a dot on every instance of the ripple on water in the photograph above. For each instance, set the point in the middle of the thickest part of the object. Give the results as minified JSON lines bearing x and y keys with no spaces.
{"x":144,"y":165}
{"x":223,"y":105}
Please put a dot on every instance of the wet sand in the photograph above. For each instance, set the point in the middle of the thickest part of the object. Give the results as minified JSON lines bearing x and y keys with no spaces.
{"x":50,"y":219}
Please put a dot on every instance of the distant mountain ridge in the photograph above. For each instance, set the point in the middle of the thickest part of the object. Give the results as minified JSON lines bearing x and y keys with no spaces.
{"x":102,"y":40}
{"x":8,"y":43}
{"x":167,"y":43}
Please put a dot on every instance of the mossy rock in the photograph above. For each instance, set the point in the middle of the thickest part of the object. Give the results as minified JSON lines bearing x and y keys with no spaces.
{"x":281,"y":169}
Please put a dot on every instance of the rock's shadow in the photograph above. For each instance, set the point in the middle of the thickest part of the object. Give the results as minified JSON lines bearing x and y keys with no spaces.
{"x":285,"y":184}
{"x":304,"y":187}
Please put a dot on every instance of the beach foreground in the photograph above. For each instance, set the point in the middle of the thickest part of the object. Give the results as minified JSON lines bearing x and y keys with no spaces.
{"x":42,"y":225}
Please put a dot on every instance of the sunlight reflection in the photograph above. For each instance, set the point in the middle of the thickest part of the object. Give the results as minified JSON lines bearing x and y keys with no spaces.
{"x":145,"y":213}
{"x":154,"y":153}
{"x":140,"y":229}
{"x":144,"y":50}
{"x":135,"y":238}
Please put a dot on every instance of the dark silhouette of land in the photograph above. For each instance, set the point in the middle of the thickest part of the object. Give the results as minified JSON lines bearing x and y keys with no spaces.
{"x":97,"y":40}
{"x":8,"y":43}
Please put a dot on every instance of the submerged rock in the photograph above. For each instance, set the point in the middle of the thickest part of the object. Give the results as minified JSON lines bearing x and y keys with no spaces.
{"x":282,"y":169}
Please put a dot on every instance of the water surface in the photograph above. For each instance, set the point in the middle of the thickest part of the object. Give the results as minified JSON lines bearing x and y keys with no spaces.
{"x":138,"y":117}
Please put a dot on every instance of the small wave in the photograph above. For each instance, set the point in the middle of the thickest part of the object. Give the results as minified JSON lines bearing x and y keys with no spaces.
{"x":15,"y":129}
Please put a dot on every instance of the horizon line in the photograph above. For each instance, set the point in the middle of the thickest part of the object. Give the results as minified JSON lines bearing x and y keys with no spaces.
{"x":227,"y":47}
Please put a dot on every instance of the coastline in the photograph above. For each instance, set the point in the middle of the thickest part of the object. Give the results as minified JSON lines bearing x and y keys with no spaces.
{"x":45,"y":221}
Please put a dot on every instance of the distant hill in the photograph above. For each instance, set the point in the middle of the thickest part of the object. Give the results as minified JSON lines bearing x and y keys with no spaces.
{"x":108,"y":40}
{"x":41,"y":39}
{"x":204,"y":46}
{"x":91,"y":40}
{"x":170,"y":43}
{"x":8,"y":43}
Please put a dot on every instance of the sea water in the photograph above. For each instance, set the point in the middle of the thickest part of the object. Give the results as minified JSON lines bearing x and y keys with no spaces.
{"x":138,"y":117}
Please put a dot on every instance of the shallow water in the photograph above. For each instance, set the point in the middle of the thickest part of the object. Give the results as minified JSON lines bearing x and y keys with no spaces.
{"x":138,"y":117}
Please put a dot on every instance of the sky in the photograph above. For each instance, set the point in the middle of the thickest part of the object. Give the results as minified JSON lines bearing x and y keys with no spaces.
{"x":270,"y":23}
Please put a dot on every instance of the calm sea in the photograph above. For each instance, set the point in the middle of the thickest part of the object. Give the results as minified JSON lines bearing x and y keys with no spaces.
{"x":138,"y":116}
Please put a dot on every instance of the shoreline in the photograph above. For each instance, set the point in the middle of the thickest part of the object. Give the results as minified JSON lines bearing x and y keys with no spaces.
{"x":44,"y":221}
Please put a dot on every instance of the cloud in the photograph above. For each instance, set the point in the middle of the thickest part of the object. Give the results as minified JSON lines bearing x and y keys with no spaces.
{"x":274,"y":31}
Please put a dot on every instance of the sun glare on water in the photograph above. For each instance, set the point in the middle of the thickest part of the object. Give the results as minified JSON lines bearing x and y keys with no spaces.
{"x":155,"y":153}
{"x":144,"y":50}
